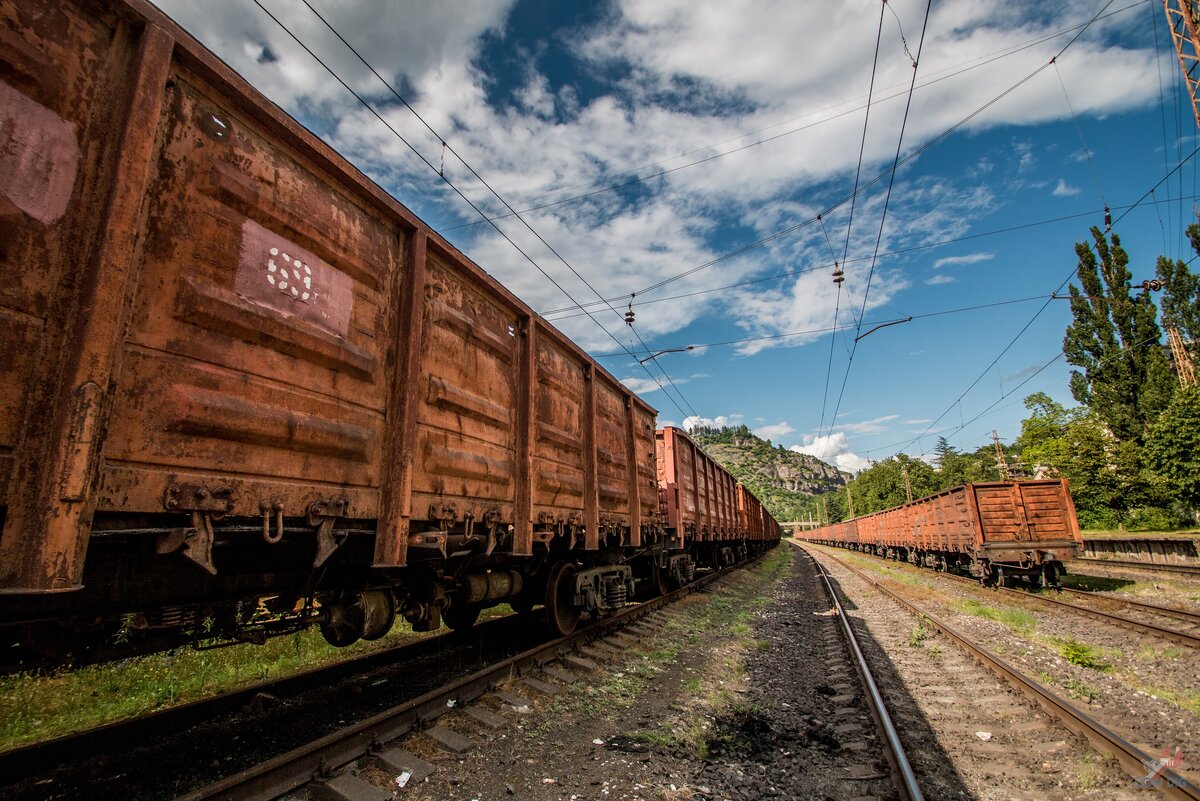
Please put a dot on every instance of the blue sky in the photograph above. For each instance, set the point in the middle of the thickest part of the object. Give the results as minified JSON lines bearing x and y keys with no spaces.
{"x":644,"y":139}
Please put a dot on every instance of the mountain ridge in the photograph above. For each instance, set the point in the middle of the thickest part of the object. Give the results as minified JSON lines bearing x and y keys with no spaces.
{"x":783,"y":480}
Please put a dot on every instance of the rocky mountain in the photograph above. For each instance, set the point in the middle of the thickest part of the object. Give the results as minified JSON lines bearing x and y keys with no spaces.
{"x":783,"y":480}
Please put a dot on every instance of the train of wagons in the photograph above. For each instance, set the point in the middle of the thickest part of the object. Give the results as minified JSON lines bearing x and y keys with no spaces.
{"x":244,"y":390}
{"x":995,"y":531}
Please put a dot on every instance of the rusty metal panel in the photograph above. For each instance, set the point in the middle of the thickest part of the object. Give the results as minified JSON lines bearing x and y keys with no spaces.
{"x":645,"y":458}
{"x":468,"y":399}
{"x":560,"y":397}
{"x":259,"y":338}
{"x":612,"y":457}
{"x":72,"y":81}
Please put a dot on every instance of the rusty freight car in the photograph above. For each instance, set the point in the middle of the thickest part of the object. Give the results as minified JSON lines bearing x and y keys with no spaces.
{"x":235,"y":368}
{"x":991,"y":530}
{"x":710,"y":518}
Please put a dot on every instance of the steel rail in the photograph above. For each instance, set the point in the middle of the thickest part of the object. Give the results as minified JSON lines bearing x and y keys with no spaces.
{"x":319,"y":758}
{"x":1168,"y":611}
{"x":1187,"y":570}
{"x":37,"y":758}
{"x":909,"y":789}
{"x":1132,"y":759}
{"x":1181,"y":637}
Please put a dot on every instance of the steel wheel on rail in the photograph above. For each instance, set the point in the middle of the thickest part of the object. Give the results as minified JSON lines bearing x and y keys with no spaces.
{"x":561,"y":612}
{"x":460,"y":618}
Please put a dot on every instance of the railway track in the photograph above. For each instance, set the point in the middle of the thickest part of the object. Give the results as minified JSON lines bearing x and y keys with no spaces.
{"x":1188,"y":638}
{"x":22,"y":763}
{"x":903,"y":777}
{"x":325,"y":759}
{"x":1106,"y":741}
{"x":1157,"y":567}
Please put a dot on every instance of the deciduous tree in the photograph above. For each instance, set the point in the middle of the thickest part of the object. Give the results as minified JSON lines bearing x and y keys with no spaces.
{"x":1115,"y":339}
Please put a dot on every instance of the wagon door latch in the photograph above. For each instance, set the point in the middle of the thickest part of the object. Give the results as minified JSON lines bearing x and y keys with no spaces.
{"x":205,"y":505}
{"x":323,"y":513}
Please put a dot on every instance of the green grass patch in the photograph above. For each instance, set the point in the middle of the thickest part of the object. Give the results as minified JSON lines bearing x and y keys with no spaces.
{"x":1016,"y":619}
{"x":1187,"y":699}
{"x":1083,"y":654}
{"x":1153,"y":653}
{"x":1078,"y":689}
{"x":39,"y":706}
{"x":918,"y":633}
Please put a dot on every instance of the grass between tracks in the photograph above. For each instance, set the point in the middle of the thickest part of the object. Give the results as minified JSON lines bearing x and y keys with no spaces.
{"x":696,"y":668}
{"x":39,"y":706}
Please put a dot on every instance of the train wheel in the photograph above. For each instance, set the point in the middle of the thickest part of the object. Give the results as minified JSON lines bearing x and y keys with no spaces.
{"x":461,"y":618}
{"x":344,"y":620}
{"x":657,"y":582}
{"x":561,"y":613}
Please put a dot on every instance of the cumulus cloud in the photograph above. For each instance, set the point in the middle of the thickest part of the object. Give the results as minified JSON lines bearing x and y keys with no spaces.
{"x":834,"y":448}
{"x":867,"y":426}
{"x":644,"y":386}
{"x":1064,"y":190}
{"x":720,"y":421}
{"x":670,"y":85}
{"x":775,"y":431}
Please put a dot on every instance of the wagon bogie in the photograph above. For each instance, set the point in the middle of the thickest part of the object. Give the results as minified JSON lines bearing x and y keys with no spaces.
{"x":242,"y":370}
{"x":993,"y":531}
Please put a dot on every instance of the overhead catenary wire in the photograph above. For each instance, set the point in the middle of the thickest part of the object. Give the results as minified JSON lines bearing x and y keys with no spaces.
{"x":442,"y":176}
{"x":571,"y":311}
{"x":513,"y":212}
{"x":955,"y":71}
{"x":1050,"y":300}
{"x":828,"y":329}
{"x":883,"y":215}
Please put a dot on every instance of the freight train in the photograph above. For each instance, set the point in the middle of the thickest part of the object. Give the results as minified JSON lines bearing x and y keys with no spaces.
{"x":994,"y":531}
{"x":243,"y":390}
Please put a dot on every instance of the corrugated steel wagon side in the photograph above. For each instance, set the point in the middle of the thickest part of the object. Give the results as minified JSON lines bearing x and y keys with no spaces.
{"x":239,"y":367}
{"x":991,"y":530}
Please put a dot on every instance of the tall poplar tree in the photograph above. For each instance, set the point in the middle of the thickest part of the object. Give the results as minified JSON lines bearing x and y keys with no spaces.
{"x":1181,"y":295}
{"x":1115,"y":339}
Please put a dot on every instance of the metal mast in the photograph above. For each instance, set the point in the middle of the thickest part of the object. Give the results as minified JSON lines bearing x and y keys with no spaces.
{"x":1183,"y":17}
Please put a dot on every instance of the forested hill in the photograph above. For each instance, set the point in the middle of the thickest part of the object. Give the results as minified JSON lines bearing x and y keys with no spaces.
{"x":783,"y":480}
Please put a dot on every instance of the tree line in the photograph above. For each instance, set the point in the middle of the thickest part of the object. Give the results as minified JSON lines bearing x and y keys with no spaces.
{"x":1130,"y":448}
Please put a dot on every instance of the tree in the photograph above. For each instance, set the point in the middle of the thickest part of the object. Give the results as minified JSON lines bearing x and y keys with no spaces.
{"x":1173,"y":447}
{"x":1181,"y":295}
{"x":1114,"y":337}
{"x":1044,"y":443}
{"x":955,"y":468}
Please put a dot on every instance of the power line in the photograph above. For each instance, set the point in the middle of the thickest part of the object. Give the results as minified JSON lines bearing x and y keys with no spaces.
{"x":441,"y":172}
{"x":1065,"y":281}
{"x":883,"y":216}
{"x":562,"y":314}
{"x":845,"y":327}
{"x":1049,"y":300}
{"x":981,"y":61}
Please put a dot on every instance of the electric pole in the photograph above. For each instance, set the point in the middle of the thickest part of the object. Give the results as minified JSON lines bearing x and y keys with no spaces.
{"x":1184,"y":21}
{"x":1183,"y":360}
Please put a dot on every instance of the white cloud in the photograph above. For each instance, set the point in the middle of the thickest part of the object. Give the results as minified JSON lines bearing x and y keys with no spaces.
{"x":917,"y":422}
{"x":644,"y":386}
{"x":1063,"y":190}
{"x":834,"y":448}
{"x":773,"y":432}
{"x":720,"y":421}
{"x":970,"y":258}
{"x":940,"y":279}
{"x":867,"y":426}
{"x":690,"y":76}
